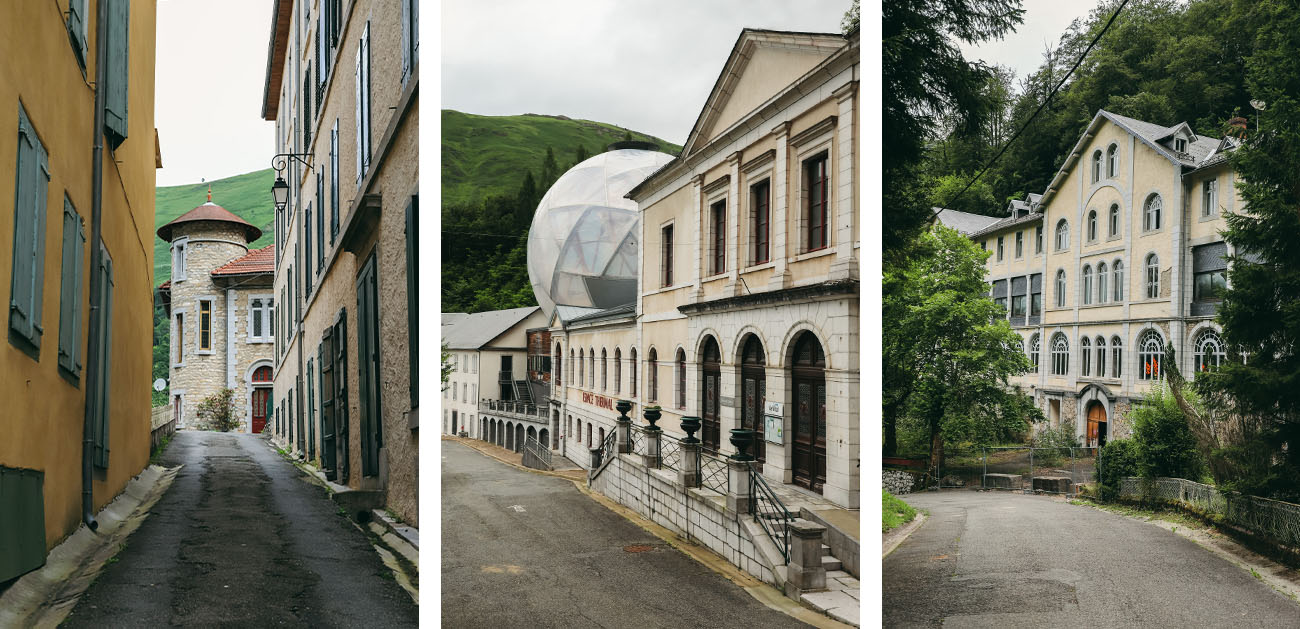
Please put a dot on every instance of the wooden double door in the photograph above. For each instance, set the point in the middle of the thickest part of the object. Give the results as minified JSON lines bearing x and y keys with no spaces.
{"x":753,"y":391}
{"x":261,"y":407}
{"x":711,"y":376}
{"x":808,"y":377}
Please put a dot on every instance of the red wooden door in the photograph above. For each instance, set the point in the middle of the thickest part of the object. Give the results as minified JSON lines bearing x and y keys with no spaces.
{"x":260,"y":397}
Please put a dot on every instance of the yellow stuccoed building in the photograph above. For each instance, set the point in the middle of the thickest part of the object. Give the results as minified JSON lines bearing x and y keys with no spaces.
{"x":1120,"y":257}
{"x":49,"y":372}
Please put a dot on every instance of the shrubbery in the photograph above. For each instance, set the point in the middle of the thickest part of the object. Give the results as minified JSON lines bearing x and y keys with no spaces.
{"x":1116,"y":460}
{"x":1165,"y":444}
{"x":217,"y":411}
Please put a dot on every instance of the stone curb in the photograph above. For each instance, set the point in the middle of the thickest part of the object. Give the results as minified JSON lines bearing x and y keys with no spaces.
{"x":45,"y":597}
{"x":760,"y":591}
{"x":897,"y":536}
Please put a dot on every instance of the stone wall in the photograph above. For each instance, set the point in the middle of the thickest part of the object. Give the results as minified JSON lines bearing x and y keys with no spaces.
{"x":898,"y":482}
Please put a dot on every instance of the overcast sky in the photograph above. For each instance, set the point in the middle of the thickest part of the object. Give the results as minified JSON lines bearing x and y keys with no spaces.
{"x":1045,"y":21}
{"x":209,"y":78}
{"x":646,"y":65}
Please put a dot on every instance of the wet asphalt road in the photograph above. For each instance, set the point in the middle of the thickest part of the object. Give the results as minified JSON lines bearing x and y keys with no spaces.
{"x":990,"y":559}
{"x":241,"y":539}
{"x":527,"y":550}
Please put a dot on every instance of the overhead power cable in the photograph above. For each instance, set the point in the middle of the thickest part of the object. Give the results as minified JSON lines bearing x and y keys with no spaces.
{"x":1041,"y":105}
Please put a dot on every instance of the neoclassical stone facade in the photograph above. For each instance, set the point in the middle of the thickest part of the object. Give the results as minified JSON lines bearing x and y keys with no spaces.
{"x":220,"y":307}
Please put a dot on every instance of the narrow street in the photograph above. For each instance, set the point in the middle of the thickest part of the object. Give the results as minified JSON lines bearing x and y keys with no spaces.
{"x":242,"y":539}
{"x":522,"y":549}
{"x":990,"y":559}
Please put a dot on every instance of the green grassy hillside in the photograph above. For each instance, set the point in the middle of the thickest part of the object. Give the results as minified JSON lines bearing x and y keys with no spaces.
{"x":248,"y":196}
{"x":486,"y":155}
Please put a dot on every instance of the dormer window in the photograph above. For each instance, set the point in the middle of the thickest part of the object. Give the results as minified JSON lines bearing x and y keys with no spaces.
{"x":1180,"y":145}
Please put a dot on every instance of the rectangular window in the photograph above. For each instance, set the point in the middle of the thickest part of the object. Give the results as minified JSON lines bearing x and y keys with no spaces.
{"x":117,"y":65}
{"x":1002,"y":303}
{"x":320,"y":223}
{"x":362,"y":76}
{"x":368,"y":377}
{"x":28,"y":280}
{"x":74,"y":246}
{"x":718,"y":223}
{"x":999,"y":248}
{"x":759,"y":195}
{"x":179,"y":247}
{"x":1018,"y":305}
{"x":178,"y":340}
{"x":1209,"y":286}
{"x":205,"y":325}
{"x":666,"y":255}
{"x":1020,"y":244}
{"x":817,"y":187}
{"x":1209,"y":200}
{"x":1038,"y":239}
{"x":412,"y":299}
{"x":334,"y":181}
{"x":98,"y":394}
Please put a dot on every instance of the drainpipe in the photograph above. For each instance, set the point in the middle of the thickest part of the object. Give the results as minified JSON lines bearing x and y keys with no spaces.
{"x":96,"y":259}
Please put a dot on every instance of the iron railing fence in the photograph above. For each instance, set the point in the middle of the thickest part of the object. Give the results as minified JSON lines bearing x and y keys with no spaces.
{"x":513,"y":407}
{"x":713,"y":472}
{"x":636,"y":441}
{"x":539,"y":451}
{"x":608,"y":450}
{"x":670,"y":454}
{"x":770,"y":512}
{"x":1273,"y":519}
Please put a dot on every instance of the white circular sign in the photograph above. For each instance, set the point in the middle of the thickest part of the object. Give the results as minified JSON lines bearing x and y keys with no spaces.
{"x":159,"y":384}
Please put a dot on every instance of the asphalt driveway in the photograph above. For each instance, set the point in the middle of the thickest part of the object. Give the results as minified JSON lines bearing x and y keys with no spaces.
{"x":998,"y":559}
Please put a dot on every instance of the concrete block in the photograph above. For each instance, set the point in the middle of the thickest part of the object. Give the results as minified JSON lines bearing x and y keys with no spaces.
{"x":1003,"y":481}
{"x":1054,"y":484}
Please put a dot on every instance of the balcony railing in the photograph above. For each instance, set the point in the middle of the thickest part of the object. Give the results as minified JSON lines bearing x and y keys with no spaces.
{"x":518,"y":409}
{"x":504,"y":377}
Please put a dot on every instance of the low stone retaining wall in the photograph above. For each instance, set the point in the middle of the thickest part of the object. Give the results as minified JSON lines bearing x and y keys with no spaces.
{"x":698,"y":515}
{"x":162,"y":425}
{"x":899,"y":482}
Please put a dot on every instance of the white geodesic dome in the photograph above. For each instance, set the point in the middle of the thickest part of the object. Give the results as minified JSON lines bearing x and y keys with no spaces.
{"x":582,"y":245}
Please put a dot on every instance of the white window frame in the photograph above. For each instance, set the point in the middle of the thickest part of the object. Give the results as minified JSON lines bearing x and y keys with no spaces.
{"x":1148,"y":214}
{"x":268,"y":335}
{"x":1102,"y":271}
{"x":1020,"y":244}
{"x":1086,"y":282}
{"x":1113,"y":222}
{"x":1061,"y":235}
{"x":707,"y":270}
{"x":1112,"y":160}
{"x":1151,"y":281}
{"x":1091,"y":230}
{"x":198,"y":326}
{"x":178,"y":344}
{"x":805,"y":150}
{"x":1144,"y":354}
{"x":1210,"y":197}
{"x":1117,"y":268}
{"x":180,"y":247}
{"x":1060,"y":367}
{"x":1060,"y":282}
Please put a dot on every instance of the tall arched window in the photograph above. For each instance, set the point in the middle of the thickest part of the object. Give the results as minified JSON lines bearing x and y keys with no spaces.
{"x":681,"y":378}
{"x":1096,"y":166}
{"x":1151,"y":349}
{"x":1151,"y":213}
{"x":1102,"y":295}
{"x":1209,"y":351}
{"x":1117,"y":357}
{"x":582,"y":369}
{"x":1112,"y":161}
{"x":618,"y":370}
{"x":1092,"y":225}
{"x":571,"y":363}
{"x":1062,"y":235}
{"x":632,"y":372}
{"x":1060,"y":355}
{"x":591,"y":366}
{"x":1035,"y":350}
{"x":652,"y":373}
{"x":1114,"y":221}
{"x":1118,"y":269}
{"x":1085,"y":357}
{"x":1153,"y":276}
{"x":1087,"y":284}
{"x":604,"y":371}
{"x":559,"y":364}
{"x":1060,"y":288}
{"x":1101,"y":357}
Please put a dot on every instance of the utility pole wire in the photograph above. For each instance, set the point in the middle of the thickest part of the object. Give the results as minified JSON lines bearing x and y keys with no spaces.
{"x":1040,"y":107}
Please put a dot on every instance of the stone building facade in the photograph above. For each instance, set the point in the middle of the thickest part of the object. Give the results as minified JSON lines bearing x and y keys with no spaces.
{"x":220,"y":306}
{"x":342,"y":87}
{"x":1121,"y":256}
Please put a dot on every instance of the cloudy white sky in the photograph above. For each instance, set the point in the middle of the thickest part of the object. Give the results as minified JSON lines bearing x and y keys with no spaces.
{"x":209,"y":78}
{"x":1045,"y":21}
{"x":646,"y":65}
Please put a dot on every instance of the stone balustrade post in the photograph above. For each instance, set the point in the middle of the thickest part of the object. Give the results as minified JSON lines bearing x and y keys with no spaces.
{"x":805,"y":572}
{"x":688,"y":473}
{"x":652,"y":435}
{"x":623,"y":426}
{"x":595,"y":460}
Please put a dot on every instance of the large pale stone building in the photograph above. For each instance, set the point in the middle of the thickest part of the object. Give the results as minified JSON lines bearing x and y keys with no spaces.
{"x":342,"y":86}
{"x":488,"y":394}
{"x":220,"y":306}
{"x":1121,"y":256}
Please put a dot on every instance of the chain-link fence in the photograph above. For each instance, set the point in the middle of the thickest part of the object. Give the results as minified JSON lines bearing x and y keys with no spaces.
{"x":1060,"y":471}
{"x":1273,"y":519}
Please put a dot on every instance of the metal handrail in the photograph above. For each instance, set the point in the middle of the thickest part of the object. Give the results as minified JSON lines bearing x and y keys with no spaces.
{"x":535,"y":447}
{"x":713,"y":472}
{"x":608,"y":450}
{"x":770,"y":512}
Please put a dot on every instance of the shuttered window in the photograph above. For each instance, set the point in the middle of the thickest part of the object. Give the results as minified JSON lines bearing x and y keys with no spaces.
{"x":104,"y":361}
{"x":334,"y":181}
{"x":115,"y":95}
{"x":363,"y":104}
{"x":412,"y":298}
{"x":74,"y":246}
{"x":410,"y":37}
{"x":372,"y":431}
{"x":27,"y":283}
{"x":77,"y":21}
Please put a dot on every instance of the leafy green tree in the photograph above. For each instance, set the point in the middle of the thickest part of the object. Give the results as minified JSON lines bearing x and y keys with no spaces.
{"x":1116,"y":460}
{"x":978,"y":199}
{"x":581,"y":154}
{"x":948,"y":351}
{"x":1166,"y":446}
{"x":850,"y":19}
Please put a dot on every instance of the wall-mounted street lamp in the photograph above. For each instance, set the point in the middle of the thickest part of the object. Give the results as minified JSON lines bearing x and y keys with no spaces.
{"x":280,"y":189}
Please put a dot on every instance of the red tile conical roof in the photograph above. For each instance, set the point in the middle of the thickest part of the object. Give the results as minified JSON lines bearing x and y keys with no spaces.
{"x":209,"y":212}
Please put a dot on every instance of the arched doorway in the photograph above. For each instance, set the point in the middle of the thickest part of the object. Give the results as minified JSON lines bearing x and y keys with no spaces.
{"x":532,"y":433}
{"x":542,"y":436}
{"x":260,"y":403}
{"x":753,"y":390}
{"x":492,"y":430}
{"x":808,"y":374}
{"x":510,"y":435}
{"x":1096,"y":424}
{"x":501,"y":433}
{"x":482,"y":429}
{"x":519,"y":438}
{"x":710,"y":393}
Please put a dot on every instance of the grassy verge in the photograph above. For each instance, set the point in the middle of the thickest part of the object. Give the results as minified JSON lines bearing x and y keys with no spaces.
{"x":895,"y":513}
{"x":1172,"y":515}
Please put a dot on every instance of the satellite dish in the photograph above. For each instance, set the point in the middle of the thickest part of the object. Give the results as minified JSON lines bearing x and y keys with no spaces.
{"x":1257,"y":104}
{"x":159,"y":384}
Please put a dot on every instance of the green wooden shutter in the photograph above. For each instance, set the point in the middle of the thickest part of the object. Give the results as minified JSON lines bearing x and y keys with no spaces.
{"x":22,"y":521}
{"x":103,"y":386}
{"x":32,"y":182}
{"x":368,"y":367}
{"x":74,"y":241}
{"x":115,"y":96}
{"x":412,"y":300}
{"x":328,"y":448}
{"x":358,"y":79}
{"x":407,"y":37}
{"x":77,"y":29}
{"x":341,"y":429}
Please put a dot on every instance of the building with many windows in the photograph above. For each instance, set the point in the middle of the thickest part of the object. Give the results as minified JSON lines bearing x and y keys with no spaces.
{"x":76,"y":265}
{"x":1121,"y":256}
{"x":490,"y":394}
{"x":220,"y":308}
{"x":342,"y":86}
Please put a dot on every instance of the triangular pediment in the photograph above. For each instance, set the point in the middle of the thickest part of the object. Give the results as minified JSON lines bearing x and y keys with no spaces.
{"x":761,"y":65}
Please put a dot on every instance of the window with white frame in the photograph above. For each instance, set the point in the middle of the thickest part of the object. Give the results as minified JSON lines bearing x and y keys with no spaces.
{"x":1038,"y":239}
{"x":1062,"y":235}
{"x":1087,"y":284}
{"x":1113,"y":226}
{"x":1096,"y":166}
{"x":1151,"y":350}
{"x":1151,"y":213}
{"x":1060,"y":288}
{"x":179,"y":248}
{"x":1209,"y":351}
{"x":1152,"y":276}
{"x":1101,"y":356}
{"x":203,"y":336}
{"x":1112,"y":161}
{"x":1209,"y":197}
{"x":259,"y":319}
{"x":178,"y":339}
{"x":1092,"y":226}
{"x":1020,"y":244}
{"x":1117,"y":357}
{"x":1035,"y":350}
{"x":1118,"y":270}
{"x":1060,"y":355}
{"x":1000,"y":248}
{"x":1085,"y":357}
{"x":1102,"y":275}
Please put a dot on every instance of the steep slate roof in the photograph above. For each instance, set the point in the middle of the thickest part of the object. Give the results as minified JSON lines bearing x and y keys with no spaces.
{"x":964,"y":222}
{"x":450,"y":318}
{"x":478,"y":329}
{"x":569,"y":313}
{"x":1010,"y":221}
{"x":616,"y":311}
{"x":255,"y":262}
{"x":209,"y":212}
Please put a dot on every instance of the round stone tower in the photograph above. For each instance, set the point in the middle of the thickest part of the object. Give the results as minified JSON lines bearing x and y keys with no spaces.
{"x":202,"y":240}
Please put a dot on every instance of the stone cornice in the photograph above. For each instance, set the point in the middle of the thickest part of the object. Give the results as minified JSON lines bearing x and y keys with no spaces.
{"x":797,"y":294}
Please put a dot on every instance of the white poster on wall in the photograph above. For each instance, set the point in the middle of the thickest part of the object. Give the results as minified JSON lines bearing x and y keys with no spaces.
{"x":773,"y":423}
